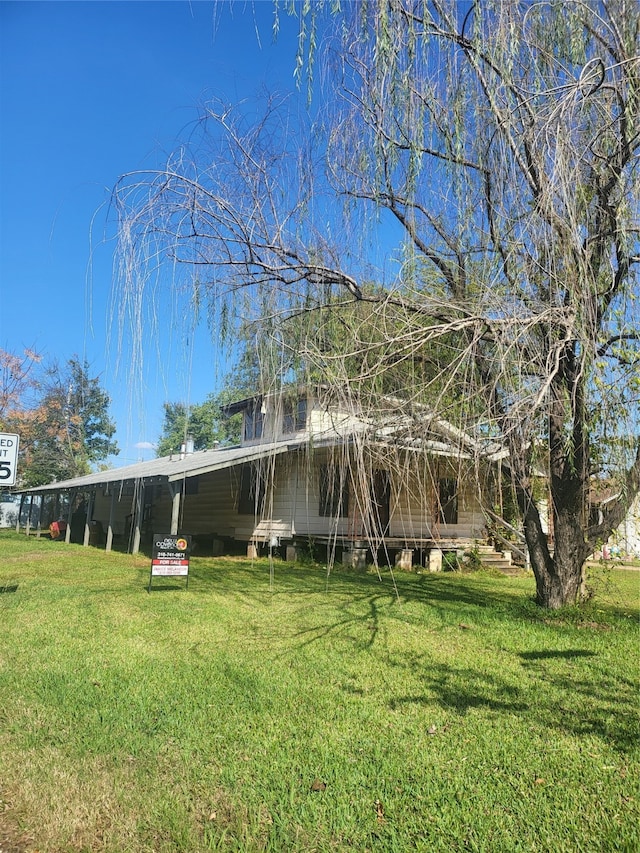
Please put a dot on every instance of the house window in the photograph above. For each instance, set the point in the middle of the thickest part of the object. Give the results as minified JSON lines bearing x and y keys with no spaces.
{"x":252,"y":490}
{"x":191,"y":485}
{"x":334,"y":492}
{"x":294,"y":417}
{"x":253,"y":421}
{"x":381,"y":501}
{"x":448,"y":500}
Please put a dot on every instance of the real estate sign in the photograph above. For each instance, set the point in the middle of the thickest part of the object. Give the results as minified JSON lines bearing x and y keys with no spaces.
{"x":9,"y":443}
{"x":170,"y":556}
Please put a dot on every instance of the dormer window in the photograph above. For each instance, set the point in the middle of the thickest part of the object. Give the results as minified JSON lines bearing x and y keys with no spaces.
{"x":253,"y":423}
{"x":294,"y":417}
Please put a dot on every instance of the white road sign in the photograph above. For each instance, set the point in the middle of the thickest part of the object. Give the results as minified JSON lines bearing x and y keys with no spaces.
{"x":8,"y":458}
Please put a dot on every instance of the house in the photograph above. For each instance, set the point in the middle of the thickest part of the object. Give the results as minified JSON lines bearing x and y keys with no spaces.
{"x":306,"y":474}
{"x":9,"y":503}
{"x":626,"y":540}
{"x":624,"y":543}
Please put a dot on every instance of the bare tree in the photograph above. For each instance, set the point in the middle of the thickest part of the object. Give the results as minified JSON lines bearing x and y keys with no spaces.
{"x":501,"y":140}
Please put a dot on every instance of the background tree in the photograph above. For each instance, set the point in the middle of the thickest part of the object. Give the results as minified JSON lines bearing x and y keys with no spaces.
{"x":204,"y":422}
{"x":17,"y":383}
{"x":500,"y":140}
{"x":65,"y":428}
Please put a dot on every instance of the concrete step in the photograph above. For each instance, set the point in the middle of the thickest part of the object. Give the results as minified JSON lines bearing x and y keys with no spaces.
{"x":500,"y":565}
{"x":493,"y":559}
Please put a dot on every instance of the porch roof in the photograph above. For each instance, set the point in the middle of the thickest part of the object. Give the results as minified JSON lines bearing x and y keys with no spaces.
{"x":183,"y":466}
{"x":168,"y":468}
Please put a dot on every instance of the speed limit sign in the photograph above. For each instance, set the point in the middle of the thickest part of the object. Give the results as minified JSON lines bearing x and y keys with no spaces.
{"x":8,"y":458}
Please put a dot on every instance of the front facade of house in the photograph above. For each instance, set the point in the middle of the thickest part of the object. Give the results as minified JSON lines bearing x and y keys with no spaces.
{"x":302,"y":474}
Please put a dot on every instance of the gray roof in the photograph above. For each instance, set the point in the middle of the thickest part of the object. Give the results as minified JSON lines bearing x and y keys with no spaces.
{"x":182,"y":466}
{"x":170,"y":468}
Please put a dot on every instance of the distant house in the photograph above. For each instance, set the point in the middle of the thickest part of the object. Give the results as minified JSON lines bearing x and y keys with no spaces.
{"x":625,"y":541}
{"x":9,"y":503}
{"x":304,"y":475}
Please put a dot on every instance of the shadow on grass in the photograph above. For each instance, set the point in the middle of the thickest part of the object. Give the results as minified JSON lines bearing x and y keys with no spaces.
{"x":250,"y":579}
{"x":572,"y":691}
{"x":594,"y":703}
{"x":505,"y":596}
{"x":174,"y":587}
{"x":569,"y":654}
{"x":13,"y":587}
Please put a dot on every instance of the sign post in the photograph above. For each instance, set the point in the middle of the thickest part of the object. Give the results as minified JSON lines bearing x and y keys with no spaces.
{"x":9,"y":443}
{"x":170,"y":557}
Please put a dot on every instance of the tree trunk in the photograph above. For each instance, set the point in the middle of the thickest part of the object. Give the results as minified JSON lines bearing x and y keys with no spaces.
{"x":558,"y":573}
{"x":559,"y":576}
{"x":554,"y":585}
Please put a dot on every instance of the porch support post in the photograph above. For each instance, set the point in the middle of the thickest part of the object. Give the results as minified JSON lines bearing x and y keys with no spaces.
{"x":112,"y":510}
{"x":22,"y":497}
{"x":435,"y":560}
{"x":404,"y":559}
{"x":138,"y":517}
{"x":175,"y":490}
{"x":30,"y":514}
{"x":40,"y":509}
{"x":72,"y":497}
{"x":87,"y":520}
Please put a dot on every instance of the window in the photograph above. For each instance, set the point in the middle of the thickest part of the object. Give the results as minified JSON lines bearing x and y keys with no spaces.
{"x":251,"y":498}
{"x":334,"y":491}
{"x":295,"y":415}
{"x":191,"y":485}
{"x":381,"y":501}
{"x":448,"y":501}
{"x":253,"y":421}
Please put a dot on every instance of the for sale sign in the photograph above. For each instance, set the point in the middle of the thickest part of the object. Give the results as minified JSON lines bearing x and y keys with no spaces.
{"x":8,"y":458}
{"x":170,"y":556}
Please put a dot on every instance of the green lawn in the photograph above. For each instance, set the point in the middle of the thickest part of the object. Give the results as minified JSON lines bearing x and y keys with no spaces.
{"x":278,"y":710}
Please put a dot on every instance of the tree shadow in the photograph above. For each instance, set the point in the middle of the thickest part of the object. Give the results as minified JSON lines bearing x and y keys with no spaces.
{"x":596,"y":703}
{"x":444,"y":589}
{"x":569,"y":654}
{"x":570,"y":691}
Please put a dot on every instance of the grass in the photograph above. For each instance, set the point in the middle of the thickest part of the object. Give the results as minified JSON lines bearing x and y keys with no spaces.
{"x":244,"y":714}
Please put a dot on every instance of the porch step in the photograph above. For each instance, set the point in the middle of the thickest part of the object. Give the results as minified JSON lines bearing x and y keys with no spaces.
{"x":493,"y":559}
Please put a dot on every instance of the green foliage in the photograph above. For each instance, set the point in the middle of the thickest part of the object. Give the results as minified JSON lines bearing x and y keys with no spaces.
{"x":67,"y":430}
{"x":205,"y":423}
{"x":451,"y":562}
{"x":86,"y":408}
{"x":472,"y":560}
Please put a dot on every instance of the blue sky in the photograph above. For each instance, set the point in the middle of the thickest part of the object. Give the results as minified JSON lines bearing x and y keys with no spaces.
{"x":89,"y":91}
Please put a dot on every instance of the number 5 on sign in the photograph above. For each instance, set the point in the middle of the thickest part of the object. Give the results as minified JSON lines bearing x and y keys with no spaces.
{"x":8,"y":458}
